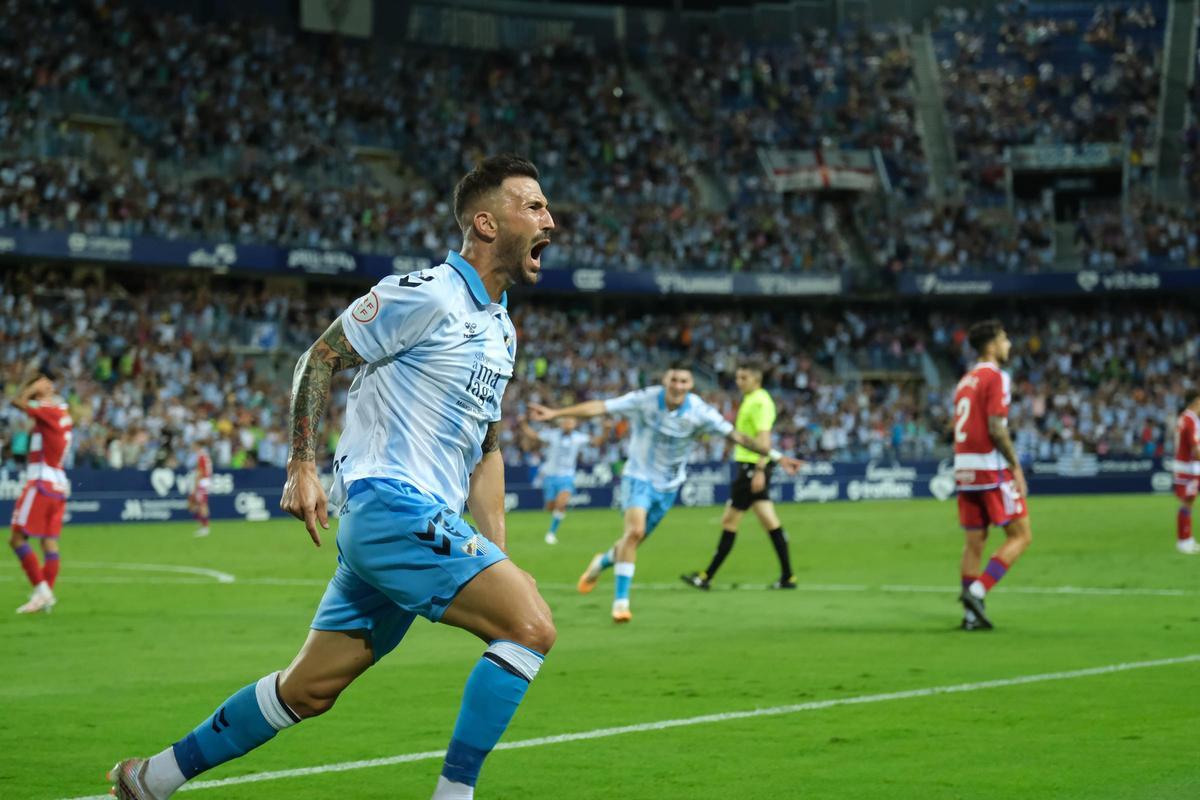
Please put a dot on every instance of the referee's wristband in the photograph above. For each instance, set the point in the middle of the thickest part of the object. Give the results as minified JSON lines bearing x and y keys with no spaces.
{"x":774,"y":455}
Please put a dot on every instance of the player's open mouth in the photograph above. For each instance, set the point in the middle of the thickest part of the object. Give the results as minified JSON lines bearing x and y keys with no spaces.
{"x":535,"y":252}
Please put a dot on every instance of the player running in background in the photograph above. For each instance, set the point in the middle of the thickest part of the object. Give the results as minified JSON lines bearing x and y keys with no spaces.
{"x":201,"y":483}
{"x":40,"y":507}
{"x":991,"y":483}
{"x":1187,"y":471}
{"x":434,"y":351}
{"x":560,"y":457}
{"x":665,"y":423}
{"x":751,"y":482}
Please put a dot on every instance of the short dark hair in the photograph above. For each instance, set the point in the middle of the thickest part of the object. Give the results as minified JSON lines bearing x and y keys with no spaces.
{"x":488,"y":175}
{"x":1190,"y":396}
{"x":981,"y":333}
{"x":752,"y":363}
{"x":34,"y":378}
{"x":679,"y":364}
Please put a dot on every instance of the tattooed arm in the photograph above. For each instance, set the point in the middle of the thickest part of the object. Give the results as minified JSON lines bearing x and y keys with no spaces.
{"x":486,"y":496}
{"x":303,"y":495}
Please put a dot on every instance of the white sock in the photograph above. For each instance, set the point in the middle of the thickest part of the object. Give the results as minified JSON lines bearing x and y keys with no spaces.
{"x":976,"y":588}
{"x":163,"y":777}
{"x":42,"y":588}
{"x":450,"y":790}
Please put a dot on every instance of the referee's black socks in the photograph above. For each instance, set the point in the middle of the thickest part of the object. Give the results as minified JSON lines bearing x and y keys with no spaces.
{"x":723,"y":548}
{"x":779,"y":540}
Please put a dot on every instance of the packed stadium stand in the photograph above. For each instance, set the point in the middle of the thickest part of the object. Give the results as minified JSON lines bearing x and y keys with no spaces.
{"x":132,"y":121}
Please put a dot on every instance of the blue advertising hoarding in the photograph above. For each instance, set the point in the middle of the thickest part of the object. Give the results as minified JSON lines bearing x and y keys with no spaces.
{"x":369,"y":268}
{"x":160,"y":495}
{"x":1083,"y":282}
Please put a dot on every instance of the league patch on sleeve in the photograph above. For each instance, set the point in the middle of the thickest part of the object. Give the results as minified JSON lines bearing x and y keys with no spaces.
{"x":366,"y":308}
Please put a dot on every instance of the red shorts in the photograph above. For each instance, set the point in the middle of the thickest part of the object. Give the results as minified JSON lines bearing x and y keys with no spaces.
{"x":198,"y":497}
{"x":998,"y":506}
{"x":39,"y":511}
{"x":1186,"y":487}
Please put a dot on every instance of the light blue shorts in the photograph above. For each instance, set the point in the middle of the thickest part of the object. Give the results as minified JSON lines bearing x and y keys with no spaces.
{"x":636,"y":493}
{"x":400,"y":555}
{"x":553,"y":484}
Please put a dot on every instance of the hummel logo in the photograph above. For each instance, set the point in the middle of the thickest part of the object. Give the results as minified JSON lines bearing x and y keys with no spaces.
{"x":219,"y":717}
{"x":407,"y":280}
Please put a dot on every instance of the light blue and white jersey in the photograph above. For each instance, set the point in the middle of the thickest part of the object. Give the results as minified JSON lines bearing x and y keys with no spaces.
{"x":661,"y":440}
{"x":561,"y":454}
{"x":439,"y":355}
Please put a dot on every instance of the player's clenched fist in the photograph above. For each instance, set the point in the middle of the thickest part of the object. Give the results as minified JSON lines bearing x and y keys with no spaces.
{"x":304,"y":498}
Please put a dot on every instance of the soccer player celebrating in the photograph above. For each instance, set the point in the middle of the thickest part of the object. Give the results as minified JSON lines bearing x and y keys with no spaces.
{"x":40,"y":507}
{"x":201,"y":482}
{"x":434,"y":352}
{"x":665,"y":422}
{"x":991,"y":483}
{"x":751,"y":482}
{"x":560,"y":457}
{"x":1187,"y":472}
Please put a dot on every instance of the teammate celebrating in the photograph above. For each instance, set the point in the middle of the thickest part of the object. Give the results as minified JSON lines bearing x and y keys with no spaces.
{"x":1187,"y":472}
{"x":991,"y":483}
{"x":43,"y":500}
{"x":560,"y":457}
{"x":751,"y":482}
{"x":665,"y":421}
{"x":202,"y":480}
{"x":434,"y":351}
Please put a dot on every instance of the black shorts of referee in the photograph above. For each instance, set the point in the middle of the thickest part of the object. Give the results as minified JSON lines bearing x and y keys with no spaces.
{"x":740,"y":495}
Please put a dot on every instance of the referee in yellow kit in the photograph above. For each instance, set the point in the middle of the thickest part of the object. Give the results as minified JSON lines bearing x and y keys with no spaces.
{"x":751,"y":482}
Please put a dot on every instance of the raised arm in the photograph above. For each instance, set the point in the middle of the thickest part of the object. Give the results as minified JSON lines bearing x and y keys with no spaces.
{"x":303,"y":495}
{"x":998,"y":431}
{"x":585,"y":410}
{"x":485,"y":499}
{"x":26,"y":395}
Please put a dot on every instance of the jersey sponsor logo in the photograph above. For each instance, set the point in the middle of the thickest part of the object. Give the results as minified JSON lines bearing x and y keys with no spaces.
{"x":483,"y":382}
{"x":367,"y":308}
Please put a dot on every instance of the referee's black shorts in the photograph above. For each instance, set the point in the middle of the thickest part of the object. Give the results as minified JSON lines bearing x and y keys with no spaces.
{"x":740,"y":496}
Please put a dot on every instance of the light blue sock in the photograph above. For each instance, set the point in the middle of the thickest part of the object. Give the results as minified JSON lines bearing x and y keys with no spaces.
{"x":494,"y":690}
{"x":555,"y":520}
{"x":250,"y":718}
{"x":608,"y":558}
{"x":624,"y":573}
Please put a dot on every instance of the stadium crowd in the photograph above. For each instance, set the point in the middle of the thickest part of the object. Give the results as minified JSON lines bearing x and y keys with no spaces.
{"x":1069,"y":75}
{"x":227,"y":136}
{"x":149,"y":370}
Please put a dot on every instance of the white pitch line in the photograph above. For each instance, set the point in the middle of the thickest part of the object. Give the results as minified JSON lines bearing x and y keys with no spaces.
{"x":220,"y":577}
{"x":728,"y":716}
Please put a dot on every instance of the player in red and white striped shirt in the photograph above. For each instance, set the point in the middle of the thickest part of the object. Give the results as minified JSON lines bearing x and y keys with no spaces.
{"x":202,"y":478}
{"x":1187,"y":471}
{"x":40,"y":508}
{"x":991,"y":483}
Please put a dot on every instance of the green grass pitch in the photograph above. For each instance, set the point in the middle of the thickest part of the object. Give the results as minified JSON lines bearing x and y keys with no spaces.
{"x":136,"y":654}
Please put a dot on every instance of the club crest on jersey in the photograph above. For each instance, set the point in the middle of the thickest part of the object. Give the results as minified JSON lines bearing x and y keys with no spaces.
{"x":475,"y":546}
{"x":483,"y":382}
{"x":366,"y":308}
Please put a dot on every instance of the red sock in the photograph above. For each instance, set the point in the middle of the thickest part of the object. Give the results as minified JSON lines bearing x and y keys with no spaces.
{"x":29,"y":563}
{"x":50,"y":568}
{"x":1183,"y":523}
{"x":993,"y":573}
